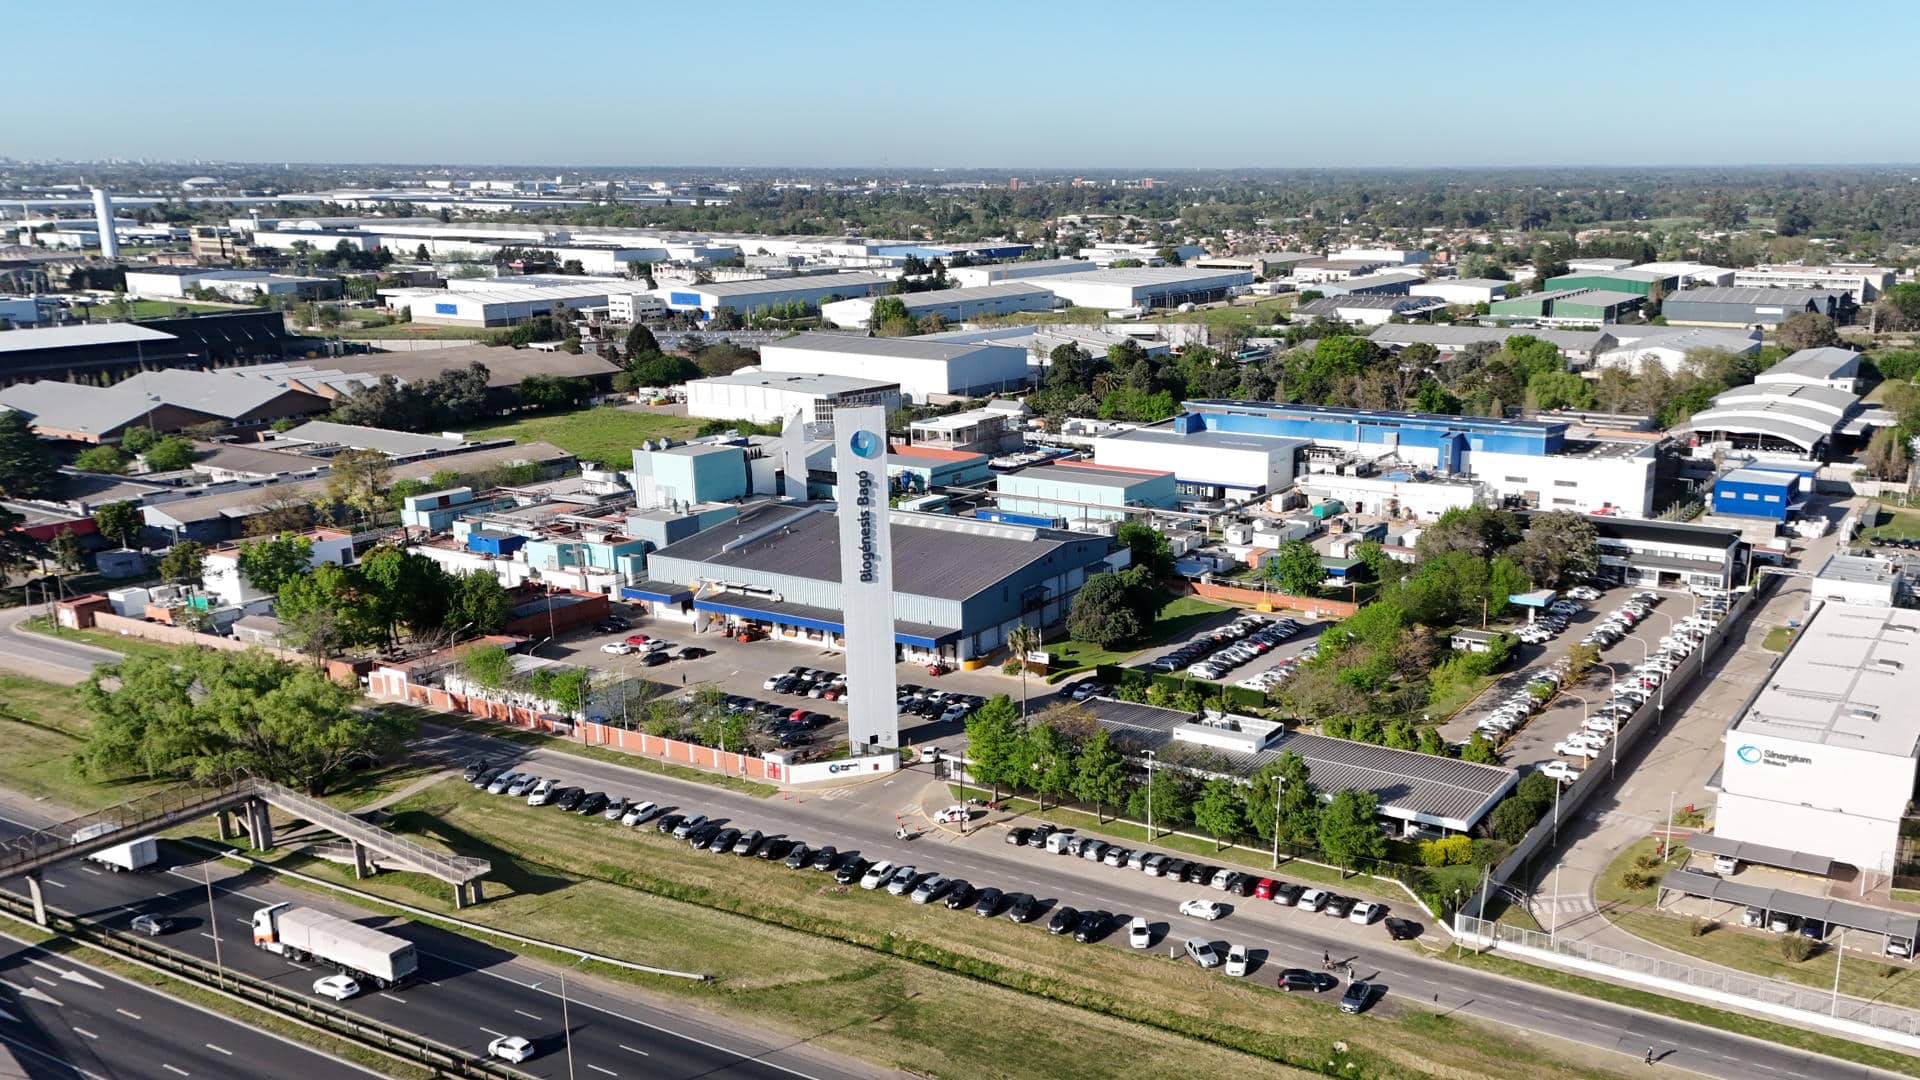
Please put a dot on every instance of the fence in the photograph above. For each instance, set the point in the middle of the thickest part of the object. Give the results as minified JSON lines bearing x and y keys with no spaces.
{"x":1234,"y":594}
{"x":1752,"y":987}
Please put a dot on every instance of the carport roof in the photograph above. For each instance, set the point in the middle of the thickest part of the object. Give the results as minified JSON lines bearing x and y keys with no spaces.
{"x":1761,"y":854}
{"x":1832,"y":912}
{"x":828,"y":620}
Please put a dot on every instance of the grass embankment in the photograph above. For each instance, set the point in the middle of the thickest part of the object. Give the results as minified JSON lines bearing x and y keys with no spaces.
{"x":1777,"y":639}
{"x":158,"y":309}
{"x":606,"y":435}
{"x":1263,"y":312}
{"x":1728,"y":944}
{"x":872,"y":975}
{"x":120,"y":643}
{"x":1178,"y":617}
{"x":42,"y":727}
{"x":1896,"y":523}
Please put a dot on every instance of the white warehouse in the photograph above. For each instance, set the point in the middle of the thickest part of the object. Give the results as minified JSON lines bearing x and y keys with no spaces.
{"x":742,"y":297}
{"x":1144,"y":286}
{"x":969,"y":277}
{"x":923,"y":369}
{"x":770,"y":397}
{"x":953,"y":305}
{"x":492,"y":306}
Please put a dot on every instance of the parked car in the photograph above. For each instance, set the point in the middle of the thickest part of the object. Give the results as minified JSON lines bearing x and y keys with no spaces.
{"x":798,"y":855}
{"x":1297,"y":980}
{"x":1139,"y":933}
{"x":639,"y":813}
{"x":1338,"y":906}
{"x":959,"y":895}
{"x":1356,"y":998}
{"x":1366,"y":911}
{"x":567,"y":798}
{"x":1063,"y":920}
{"x":1022,"y":908}
{"x":1403,"y":929}
{"x":687,"y":825}
{"x":902,"y":881}
{"x":1091,"y":926}
{"x":987,"y":904}
{"x":930,"y":889}
{"x":723,"y":840}
{"x":824,"y":858}
{"x":877,"y":875}
{"x":618,"y":648}
{"x":1202,"y":952}
{"x":854,"y":869}
{"x":1312,"y":900}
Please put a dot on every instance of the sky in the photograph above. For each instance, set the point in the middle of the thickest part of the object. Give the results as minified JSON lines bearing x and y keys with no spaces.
{"x":1036,"y":84}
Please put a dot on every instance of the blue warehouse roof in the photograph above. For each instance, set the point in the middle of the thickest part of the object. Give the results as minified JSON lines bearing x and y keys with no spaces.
{"x":1332,"y":423}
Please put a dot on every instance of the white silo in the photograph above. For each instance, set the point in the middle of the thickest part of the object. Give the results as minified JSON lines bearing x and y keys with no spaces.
{"x":103,"y":221}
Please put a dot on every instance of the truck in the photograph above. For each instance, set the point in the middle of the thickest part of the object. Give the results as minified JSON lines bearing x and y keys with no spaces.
{"x":302,"y":934}
{"x":136,"y":854}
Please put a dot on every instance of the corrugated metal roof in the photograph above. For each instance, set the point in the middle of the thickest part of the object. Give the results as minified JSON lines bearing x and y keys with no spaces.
{"x":1722,"y":294}
{"x":67,"y":337}
{"x":1833,"y":912}
{"x":904,"y":348}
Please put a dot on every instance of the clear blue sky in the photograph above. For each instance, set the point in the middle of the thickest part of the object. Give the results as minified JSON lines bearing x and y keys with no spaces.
{"x":1037,"y":83}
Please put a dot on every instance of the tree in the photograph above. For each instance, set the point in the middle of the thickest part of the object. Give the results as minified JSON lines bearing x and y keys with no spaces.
{"x":279,"y":514}
{"x":1348,"y":832}
{"x":1477,"y":530}
{"x":269,"y":564}
{"x":1551,"y":390}
{"x":889,"y":310}
{"x":1298,"y":815}
{"x":1100,"y":776}
{"x":640,"y":341}
{"x":1295,"y":568}
{"x":1886,"y":456}
{"x":411,"y":589}
{"x":359,"y":481}
{"x":220,"y":717}
{"x":101,"y":459}
{"x":325,"y":610}
{"x":1166,"y":805}
{"x":65,"y":551}
{"x":1045,"y":762}
{"x":478,"y":604}
{"x":169,"y":455}
{"x":549,"y":392}
{"x":993,"y":736}
{"x":661,"y":369}
{"x":1022,"y":640}
{"x":137,"y":440}
{"x":1147,"y":547}
{"x":1218,"y":811}
{"x":1807,"y":330}
{"x":1560,"y":549}
{"x":120,"y":521}
{"x":1480,"y":751}
{"x":1511,"y":820}
{"x":26,"y":470}
{"x":184,"y":563}
{"x":1104,"y":612}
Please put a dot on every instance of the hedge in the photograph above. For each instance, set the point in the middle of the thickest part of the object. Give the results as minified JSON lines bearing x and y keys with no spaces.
{"x":1115,"y":675}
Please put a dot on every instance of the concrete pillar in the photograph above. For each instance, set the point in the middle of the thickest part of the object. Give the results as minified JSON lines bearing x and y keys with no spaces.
{"x":260,"y":825}
{"x":459,"y":896}
{"x":39,"y":901}
{"x":362,"y":864}
{"x":225,"y":817}
{"x":473,"y":890}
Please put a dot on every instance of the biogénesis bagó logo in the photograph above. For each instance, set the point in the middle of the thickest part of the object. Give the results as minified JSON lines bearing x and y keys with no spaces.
{"x":866,"y":496}
{"x":865,"y":443}
{"x":1754,"y":755}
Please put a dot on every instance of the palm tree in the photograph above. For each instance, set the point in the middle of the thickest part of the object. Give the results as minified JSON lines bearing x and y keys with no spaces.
{"x":1022,"y":640}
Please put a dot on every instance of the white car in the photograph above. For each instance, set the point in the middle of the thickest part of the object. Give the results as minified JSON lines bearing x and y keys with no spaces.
{"x":1203,"y":909}
{"x":1584,"y":592}
{"x":1562,"y":771}
{"x":540,"y":793}
{"x":1576,"y":748}
{"x":1312,"y":900}
{"x":337,"y":987}
{"x":510,"y":1048}
{"x":639,"y":812}
{"x":617,"y":648}
{"x":1237,"y":960}
{"x":1201,"y":952}
{"x":876,"y":875}
{"x":1365,"y":912}
{"x":1139,"y":934}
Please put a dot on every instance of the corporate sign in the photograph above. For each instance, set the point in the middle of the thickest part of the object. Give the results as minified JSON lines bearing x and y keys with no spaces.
{"x":1757,"y":755}
{"x":446,"y":309}
{"x":866,"y":577}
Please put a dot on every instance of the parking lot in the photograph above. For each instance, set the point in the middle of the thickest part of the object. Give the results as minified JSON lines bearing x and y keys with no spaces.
{"x":1533,"y":744}
{"x":1267,"y":643}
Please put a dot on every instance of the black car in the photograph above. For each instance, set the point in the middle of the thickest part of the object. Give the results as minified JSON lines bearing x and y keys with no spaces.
{"x":655,"y":658}
{"x":774,"y":847}
{"x":784,"y":684}
{"x":474,"y":769}
{"x":1339,"y":906}
{"x":1022,"y":908}
{"x":787,"y":740}
{"x":1198,"y":874}
{"x":699,"y":838}
{"x":724,"y":840}
{"x":1288,"y":894}
{"x":850,"y":871}
{"x":1063,"y":921}
{"x":987,"y":904}
{"x":748,"y":842}
{"x":568,"y":798}
{"x":591,"y":803}
{"x":1175,"y":870}
{"x":694,"y":652}
{"x":959,"y":895}
{"x":1038,"y":838}
{"x":1092,"y":925}
{"x":1295,"y":980}
{"x":1234,"y":878}
{"x":668,"y":822}
{"x":798,"y":856}
{"x":824,"y":858}
{"x":1018,"y":837}
{"x":485,"y":777}
{"x":1403,"y":929}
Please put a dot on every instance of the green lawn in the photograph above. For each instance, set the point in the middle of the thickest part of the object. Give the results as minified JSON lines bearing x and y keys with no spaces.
{"x":1777,"y":639}
{"x":913,"y":988}
{"x":606,"y":435}
{"x":122,"y":643}
{"x":42,"y":727}
{"x":1895,"y":523}
{"x":1264,"y":312}
{"x":158,"y":309}
{"x":1181,"y":616}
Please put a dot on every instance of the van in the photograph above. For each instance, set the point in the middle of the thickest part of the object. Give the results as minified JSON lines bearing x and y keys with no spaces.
{"x":1726,"y":865}
{"x":1057,"y":843}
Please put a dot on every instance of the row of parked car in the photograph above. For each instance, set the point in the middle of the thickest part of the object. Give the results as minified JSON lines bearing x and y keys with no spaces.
{"x":1621,"y":620}
{"x":1513,"y":713}
{"x":946,"y":706}
{"x":1275,"y":677}
{"x":1213,"y":654}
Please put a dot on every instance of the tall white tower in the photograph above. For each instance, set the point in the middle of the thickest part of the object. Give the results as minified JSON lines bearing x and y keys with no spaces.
{"x":103,"y":221}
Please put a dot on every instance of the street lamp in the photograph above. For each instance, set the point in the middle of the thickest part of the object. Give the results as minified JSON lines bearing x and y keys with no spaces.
{"x":213,"y":920}
{"x":566,"y":1023}
{"x":1149,"y":796}
{"x":1279,"y":785}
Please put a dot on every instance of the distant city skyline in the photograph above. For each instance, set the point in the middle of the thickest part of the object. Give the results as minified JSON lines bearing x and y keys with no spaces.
{"x":986,"y":85}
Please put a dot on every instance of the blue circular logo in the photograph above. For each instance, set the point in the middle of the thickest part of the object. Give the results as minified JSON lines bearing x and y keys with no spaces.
{"x":1748,"y":754}
{"x":865,"y":444}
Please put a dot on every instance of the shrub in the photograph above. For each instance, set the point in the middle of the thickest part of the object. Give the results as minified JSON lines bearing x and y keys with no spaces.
{"x":1012,"y":666}
{"x":1795,"y":948}
{"x":1636,"y":881}
{"x":1488,"y":852}
{"x":1447,"y":851}
{"x":1700,"y":927}
{"x":1647,"y":861}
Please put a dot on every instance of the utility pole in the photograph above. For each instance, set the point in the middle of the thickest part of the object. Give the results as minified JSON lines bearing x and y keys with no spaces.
{"x":1149,"y":796}
{"x":1279,"y":783}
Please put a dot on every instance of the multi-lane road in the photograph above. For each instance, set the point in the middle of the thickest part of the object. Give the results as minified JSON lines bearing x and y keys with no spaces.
{"x":467,"y":992}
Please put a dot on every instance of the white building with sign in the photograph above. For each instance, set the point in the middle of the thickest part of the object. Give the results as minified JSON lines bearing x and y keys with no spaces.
{"x":1823,"y":760}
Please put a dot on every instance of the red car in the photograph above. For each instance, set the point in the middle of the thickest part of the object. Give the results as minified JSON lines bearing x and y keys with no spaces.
{"x":638,"y":639}
{"x":1263,"y":889}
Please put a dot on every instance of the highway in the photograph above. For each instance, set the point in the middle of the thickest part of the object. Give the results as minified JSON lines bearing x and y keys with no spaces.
{"x":467,"y":992}
{"x":864,"y":821}
{"x":63,"y":1018}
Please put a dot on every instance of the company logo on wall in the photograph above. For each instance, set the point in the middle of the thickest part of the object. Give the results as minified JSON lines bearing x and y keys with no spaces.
{"x":1754,"y":755}
{"x":865,"y":444}
{"x":1749,"y":754}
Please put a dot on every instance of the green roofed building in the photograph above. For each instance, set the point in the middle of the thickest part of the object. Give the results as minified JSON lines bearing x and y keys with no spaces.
{"x":1637,"y":282}
{"x":1568,"y":306}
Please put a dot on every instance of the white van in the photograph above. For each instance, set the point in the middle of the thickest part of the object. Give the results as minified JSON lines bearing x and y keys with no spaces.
{"x":876,"y":874}
{"x":1057,"y":843}
{"x":1726,"y":865}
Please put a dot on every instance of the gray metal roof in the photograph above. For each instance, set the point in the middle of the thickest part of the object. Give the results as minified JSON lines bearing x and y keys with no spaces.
{"x":1456,"y":335}
{"x":1725,"y":294}
{"x":944,"y":557}
{"x":1833,"y":912}
{"x":903,"y":348}
{"x":1822,"y":363}
{"x":392,"y":443}
{"x":756,"y":286}
{"x":1409,"y":784}
{"x":67,"y":337}
{"x":798,"y":381}
{"x":1764,"y":854}
{"x":1849,"y":680}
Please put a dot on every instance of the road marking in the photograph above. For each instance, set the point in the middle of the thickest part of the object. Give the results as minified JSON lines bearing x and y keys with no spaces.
{"x":85,"y":1033}
{"x":128,"y":1015}
{"x":631,"y":1050}
{"x":12,"y":1019}
{"x":495,"y":1034}
{"x":35,"y":994}
{"x":390,"y":997}
{"x":44,"y":979}
{"x":597,"y":1068}
{"x":206,"y":935}
{"x":302,"y":967}
{"x":91,"y":870}
{"x":53,"y":883}
{"x":526,"y":1014}
{"x":172,"y":1069}
{"x":220,"y":1049}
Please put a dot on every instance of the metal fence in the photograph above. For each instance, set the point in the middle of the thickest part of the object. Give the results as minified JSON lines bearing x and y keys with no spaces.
{"x":1754,"y":987}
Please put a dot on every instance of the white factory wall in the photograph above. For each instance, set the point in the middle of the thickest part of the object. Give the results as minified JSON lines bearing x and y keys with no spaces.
{"x":1456,"y":293}
{"x":1828,"y":800}
{"x":761,"y":404}
{"x":1245,"y":470}
{"x":992,"y":367}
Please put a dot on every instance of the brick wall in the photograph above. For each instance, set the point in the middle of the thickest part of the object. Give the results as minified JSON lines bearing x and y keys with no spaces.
{"x":1230,"y":594}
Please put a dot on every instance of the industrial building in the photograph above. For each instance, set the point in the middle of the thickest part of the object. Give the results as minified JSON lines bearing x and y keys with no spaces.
{"x":996,"y":428}
{"x":1669,"y":347}
{"x":502,"y":306}
{"x":1578,"y":346}
{"x":972,"y":277}
{"x":1570,"y":305}
{"x":1857,"y":579}
{"x":1597,"y":264}
{"x":1833,"y":368}
{"x":1640,"y":283}
{"x":771,"y":397}
{"x":1144,"y":287}
{"x":1822,"y":762}
{"x":953,"y":305}
{"x":1746,"y":306}
{"x":1321,"y":271}
{"x":1689,"y":274}
{"x":925,"y":370}
{"x":1039,"y":341}
{"x":744,"y":297}
{"x":114,"y":350}
{"x":506,"y":369}
{"x":1758,"y":493}
{"x":180,"y":283}
{"x":1462,"y":291}
{"x":959,"y":585}
{"x":166,"y":400}
{"x":1370,"y":309}
{"x":1264,"y":264}
{"x":1667,"y":554}
{"x":1081,"y":492}
{"x":1387,"y":283}
{"x":1862,"y":284}
{"x":1395,"y":493}
{"x":715,"y":469}
{"x":1807,"y":423}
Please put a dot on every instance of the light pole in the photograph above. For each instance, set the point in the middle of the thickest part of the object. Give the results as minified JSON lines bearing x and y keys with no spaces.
{"x":213,"y":920}
{"x":1149,"y":796}
{"x":566,"y":1023}
{"x":1839,"y":956}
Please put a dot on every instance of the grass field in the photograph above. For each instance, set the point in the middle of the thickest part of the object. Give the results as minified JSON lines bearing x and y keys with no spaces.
{"x":915,"y":988}
{"x":606,"y":435}
{"x":1895,"y":523}
{"x":121,"y":643}
{"x":1263,"y":312}
{"x":42,"y":727}
{"x":158,"y":309}
{"x":1777,"y":639}
{"x":1181,"y":616}
{"x":1863,"y":974}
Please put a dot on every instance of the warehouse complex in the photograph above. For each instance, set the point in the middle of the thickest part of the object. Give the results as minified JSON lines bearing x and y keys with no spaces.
{"x":744,"y":297}
{"x":1145,"y":286}
{"x":1080,"y":492}
{"x":925,"y":370}
{"x":953,"y":305}
{"x":1747,"y":306}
